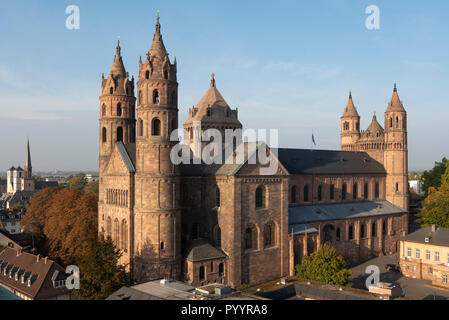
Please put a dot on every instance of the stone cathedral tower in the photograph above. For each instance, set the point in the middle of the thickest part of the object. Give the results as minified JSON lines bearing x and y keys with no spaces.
{"x":117,"y":108}
{"x":350,"y":126}
{"x":395,"y":154}
{"x":157,"y":214}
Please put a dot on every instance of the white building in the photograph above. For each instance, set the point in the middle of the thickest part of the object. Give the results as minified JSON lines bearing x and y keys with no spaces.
{"x":416,"y":185}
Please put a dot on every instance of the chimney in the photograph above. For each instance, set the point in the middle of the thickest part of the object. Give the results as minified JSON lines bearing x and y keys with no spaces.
{"x":19,"y":251}
{"x":434,"y":228}
{"x":38,"y":257}
{"x":45,"y":260}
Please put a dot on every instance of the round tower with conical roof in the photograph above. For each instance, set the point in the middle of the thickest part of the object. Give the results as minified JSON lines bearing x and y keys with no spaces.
{"x":117,"y":109}
{"x":157,"y":214}
{"x":396,"y":154}
{"x":350,"y":126}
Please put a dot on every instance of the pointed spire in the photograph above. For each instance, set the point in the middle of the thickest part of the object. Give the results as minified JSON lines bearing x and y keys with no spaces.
{"x":395,"y":88}
{"x":157,"y":46}
{"x":350,"y":110}
{"x":395,"y":103}
{"x":28,"y":167}
{"x":117,"y":66}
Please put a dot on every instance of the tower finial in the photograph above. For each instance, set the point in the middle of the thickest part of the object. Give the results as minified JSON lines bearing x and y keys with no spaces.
{"x":212,"y":80}
{"x":158,"y":25}
{"x":350,"y":94}
{"x":395,"y":88}
{"x":118,"y":49}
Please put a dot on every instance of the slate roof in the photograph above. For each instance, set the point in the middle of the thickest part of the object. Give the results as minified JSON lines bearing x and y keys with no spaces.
{"x":127,"y":293}
{"x":200,"y":250}
{"x":308,"y":161}
{"x":5,"y":241}
{"x":337,"y":211}
{"x":128,"y":153}
{"x":439,"y":237}
{"x":301,"y":229}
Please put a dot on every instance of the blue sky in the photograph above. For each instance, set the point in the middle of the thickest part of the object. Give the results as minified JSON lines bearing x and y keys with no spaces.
{"x":284,"y":64}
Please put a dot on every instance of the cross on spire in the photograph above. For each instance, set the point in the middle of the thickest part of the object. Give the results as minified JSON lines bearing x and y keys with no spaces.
{"x":212,"y":80}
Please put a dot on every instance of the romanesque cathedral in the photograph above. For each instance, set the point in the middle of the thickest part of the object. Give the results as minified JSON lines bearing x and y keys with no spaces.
{"x":228,"y":223}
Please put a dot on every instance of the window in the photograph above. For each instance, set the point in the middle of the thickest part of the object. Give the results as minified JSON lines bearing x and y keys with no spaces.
{"x":384,"y":228}
{"x":351,"y":233}
{"x":269,"y":234}
{"x":397,"y":187}
{"x":320,"y":193}
{"x":409,"y":252}
{"x":417,"y":254}
{"x":407,"y":267}
{"x":332,"y":192}
{"x":221,"y":269}
{"x":217,"y":197}
{"x":259,"y":198}
{"x":362,"y":231}
{"x":156,"y":127}
{"x":165,"y":74}
{"x":373,"y":230}
{"x":444,"y":278}
{"x":354,"y":191}
{"x":430,"y":270}
{"x":119,"y":134}
{"x":437,"y":256}
{"x":365,"y":191}
{"x":376,"y":190}
{"x":201,"y":273}
{"x":116,"y":233}
{"x":104,"y":137}
{"x":337,"y":237}
{"x":391,"y":122}
{"x":343,"y":192}
{"x":397,"y":122}
{"x":162,"y":246}
{"x":109,"y":227}
{"x":346,"y":126}
{"x":248,"y":238}
{"x":119,"y":109}
{"x":293,"y":195}
{"x":103,"y":111}
{"x":147,"y":74}
{"x":414,"y":268}
{"x":124,"y":236}
{"x":306,"y":193}
{"x":208,"y":112}
{"x":211,"y":266}
{"x":111,"y":90}
{"x":427,"y":255}
{"x":155,"y":97}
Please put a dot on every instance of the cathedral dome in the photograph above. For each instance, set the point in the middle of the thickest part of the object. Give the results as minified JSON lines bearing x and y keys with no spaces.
{"x":374,"y":131}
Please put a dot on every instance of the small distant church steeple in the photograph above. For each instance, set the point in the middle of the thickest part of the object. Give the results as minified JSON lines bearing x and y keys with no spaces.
{"x":28,"y":167}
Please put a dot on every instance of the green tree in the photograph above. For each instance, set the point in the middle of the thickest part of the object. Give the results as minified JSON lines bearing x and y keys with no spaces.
{"x":92,"y":187}
{"x":432,"y":178}
{"x":324,"y":265}
{"x":445,"y":176}
{"x":101,"y":274}
{"x":435,"y":207}
{"x":77,"y":181}
{"x":37,"y":177}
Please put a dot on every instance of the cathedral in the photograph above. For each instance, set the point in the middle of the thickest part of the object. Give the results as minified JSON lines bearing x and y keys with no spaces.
{"x":229,"y":223}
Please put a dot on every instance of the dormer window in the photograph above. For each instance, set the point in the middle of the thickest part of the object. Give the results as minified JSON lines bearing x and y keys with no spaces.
{"x":208,"y":112}
{"x":29,"y":282}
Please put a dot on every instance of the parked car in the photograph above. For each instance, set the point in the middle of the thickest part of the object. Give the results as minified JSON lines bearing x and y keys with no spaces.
{"x":393,"y":267}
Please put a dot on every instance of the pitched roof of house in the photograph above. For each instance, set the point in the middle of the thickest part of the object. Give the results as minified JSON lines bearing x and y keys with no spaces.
{"x":305,"y":161}
{"x":336,"y":211}
{"x":200,"y":249}
{"x":26,"y":264}
{"x":5,"y":241}
{"x":438,"y":237}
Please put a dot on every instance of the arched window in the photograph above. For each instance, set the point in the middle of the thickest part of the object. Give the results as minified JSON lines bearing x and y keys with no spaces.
{"x":365,"y":191}
{"x":350,"y":233}
{"x":103,"y":110}
{"x":201,"y":273}
{"x":109,"y":227}
{"x":155,"y":97}
{"x":111,"y":90}
{"x":362,"y":231}
{"x":376,"y":190}
{"x":343,"y":191}
{"x":306,"y":193}
{"x":116,"y":233}
{"x":357,"y":126}
{"x":147,"y":74}
{"x":397,"y":187}
{"x":320,"y":193}
{"x":391,"y":122}
{"x":346,"y":126}
{"x":260,"y":198}
{"x":221,"y":269}
{"x":208,"y":112}
{"x":384,"y":228}
{"x":354,"y":191}
{"x":248,"y":238}
{"x":217,"y":197}
{"x":397,"y":122}
{"x":119,"y":134}
{"x":119,"y":109}
{"x":195,"y":231}
{"x":373,"y":230}
{"x":332,"y":192}
{"x":104,"y":136}
{"x":293,"y":195}
{"x":162,"y":245}
{"x":165,"y":74}
{"x":156,"y":127}
{"x":338,"y":235}
{"x":269,"y":235}
{"x":124,"y":235}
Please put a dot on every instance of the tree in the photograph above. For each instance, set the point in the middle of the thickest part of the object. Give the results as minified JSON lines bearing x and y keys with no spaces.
{"x":101,"y":274}
{"x":62,"y":223}
{"x":435,"y":207}
{"x":324,"y":265}
{"x":92,"y":187}
{"x":445,"y":176}
{"x":77,"y":181}
{"x":433,"y":177}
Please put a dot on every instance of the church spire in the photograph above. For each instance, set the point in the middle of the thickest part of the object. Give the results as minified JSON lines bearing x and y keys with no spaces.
{"x":395,"y":103}
{"x":28,"y":167}
{"x":350,"y":110}
{"x":117,"y":66}
{"x":157,"y":46}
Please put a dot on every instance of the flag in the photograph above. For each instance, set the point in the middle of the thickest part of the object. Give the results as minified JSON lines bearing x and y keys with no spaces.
{"x":313,"y":139}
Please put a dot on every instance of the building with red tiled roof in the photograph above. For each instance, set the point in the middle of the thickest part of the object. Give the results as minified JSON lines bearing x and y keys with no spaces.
{"x":32,"y":277}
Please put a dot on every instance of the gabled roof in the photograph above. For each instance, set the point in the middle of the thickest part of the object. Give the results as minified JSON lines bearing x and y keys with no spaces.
{"x":439,"y":237}
{"x":200,"y":250}
{"x":309,"y":161}
{"x":128,"y":154}
{"x":336,"y":211}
